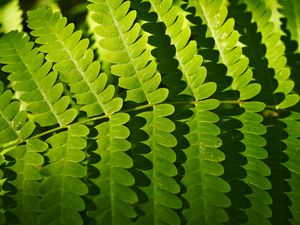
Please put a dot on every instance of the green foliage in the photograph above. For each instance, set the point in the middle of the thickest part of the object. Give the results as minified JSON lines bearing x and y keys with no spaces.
{"x":150,"y":112}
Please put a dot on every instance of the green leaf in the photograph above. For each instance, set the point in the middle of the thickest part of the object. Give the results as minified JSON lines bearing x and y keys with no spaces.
{"x":158,"y":112}
{"x":163,"y":188}
{"x":253,"y":106}
{"x":126,"y":47}
{"x":77,"y":69}
{"x":289,"y":9}
{"x":114,"y":204}
{"x":205,"y":187}
{"x":62,"y":188}
{"x":28,"y":162}
{"x":14,"y":125}
{"x":290,"y":100}
{"x":38,"y":87}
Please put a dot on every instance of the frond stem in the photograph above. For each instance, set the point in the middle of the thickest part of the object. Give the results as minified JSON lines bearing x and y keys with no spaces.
{"x":88,"y":120}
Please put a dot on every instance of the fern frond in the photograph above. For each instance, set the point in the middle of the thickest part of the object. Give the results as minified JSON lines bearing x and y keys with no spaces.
{"x":33,"y":83}
{"x":187,"y":114}
{"x":177,"y":28}
{"x":290,"y":10}
{"x":214,"y":14}
{"x":226,"y":38}
{"x":123,"y":45}
{"x":163,"y":190}
{"x":74,"y":62}
{"x":14,"y":125}
{"x":197,"y":172}
{"x":11,"y":17}
{"x":275,"y":52}
{"x":28,"y":161}
{"x":61,"y":188}
{"x":116,"y":199}
{"x":257,"y":169}
{"x":205,"y":188}
{"x":292,"y":142}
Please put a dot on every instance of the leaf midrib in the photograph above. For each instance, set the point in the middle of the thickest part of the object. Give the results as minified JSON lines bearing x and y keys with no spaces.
{"x":81,"y":72}
{"x":177,"y":57}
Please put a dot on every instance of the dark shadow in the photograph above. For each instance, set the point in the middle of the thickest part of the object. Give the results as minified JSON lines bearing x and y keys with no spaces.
{"x":3,"y":76}
{"x":234,"y":173}
{"x":141,"y":163}
{"x":216,"y":72}
{"x":281,"y":213}
{"x":3,"y":2}
{"x":293,"y":59}
{"x":163,"y":51}
{"x":92,"y":158}
{"x":183,"y":113}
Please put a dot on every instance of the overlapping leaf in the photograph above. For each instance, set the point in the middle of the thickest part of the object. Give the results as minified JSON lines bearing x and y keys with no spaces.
{"x":197,"y":166}
{"x":257,"y":170}
{"x":292,"y":143}
{"x":123,"y":44}
{"x":290,"y":10}
{"x":34,"y":84}
{"x":74,"y":62}
{"x":150,"y":164}
{"x":274,"y":52}
{"x":226,"y":38}
{"x":186,"y":51}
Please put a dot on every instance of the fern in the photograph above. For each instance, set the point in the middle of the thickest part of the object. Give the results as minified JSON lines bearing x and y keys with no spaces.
{"x":175,"y":112}
{"x":137,"y":72}
{"x":33,"y":84}
{"x":61,"y":187}
{"x":28,"y":161}
{"x":226,"y":41}
{"x":74,"y":62}
{"x":291,"y":143}
{"x":123,"y":46}
{"x":14,"y":124}
{"x":117,"y":198}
